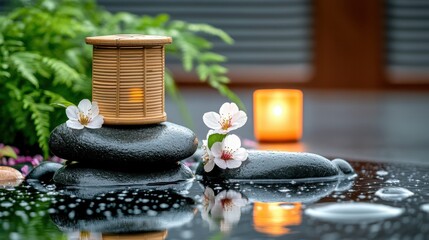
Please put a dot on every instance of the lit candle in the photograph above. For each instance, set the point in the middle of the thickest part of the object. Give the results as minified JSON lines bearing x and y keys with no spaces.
{"x":277,"y":114}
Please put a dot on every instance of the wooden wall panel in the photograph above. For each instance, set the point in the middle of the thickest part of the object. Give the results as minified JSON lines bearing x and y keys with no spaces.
{"x":348,"y":44}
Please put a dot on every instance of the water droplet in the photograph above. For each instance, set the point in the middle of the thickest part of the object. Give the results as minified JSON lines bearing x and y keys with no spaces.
{"x":283,"y":189}
{"x":381,"y":173}
{"x":425,"y":207}
{"x":394,"y":193}
{"x":163,"y":205}
{"x":393,"y":181}
{"x":6,"y":204}
{"x":353,"y":213}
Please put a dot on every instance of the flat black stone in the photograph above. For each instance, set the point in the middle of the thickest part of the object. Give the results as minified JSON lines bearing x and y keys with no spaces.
{"x":44,"y":172}
{"x":123,"y":211}
{"x":156,"y":145}
{"x":271,"y":165}
{"x":79,"y":175}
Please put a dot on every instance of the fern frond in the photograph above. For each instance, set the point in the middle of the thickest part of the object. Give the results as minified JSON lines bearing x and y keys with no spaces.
{"x":205,"y":28}
{"x":63,"y":73}
{"x":26,"y":64}
{"x":41,"y":120}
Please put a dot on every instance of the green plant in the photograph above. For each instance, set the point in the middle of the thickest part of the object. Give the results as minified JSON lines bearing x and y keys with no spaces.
{"x":44,"y":60}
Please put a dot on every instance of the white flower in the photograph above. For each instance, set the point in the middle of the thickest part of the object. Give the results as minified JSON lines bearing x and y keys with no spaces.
{"x":209,"y":199}
{"x":227,"y":207}
{"x":84,"y":115}
{"x":229,"y":118}
{"x":208,"y":158}
{"x":229,"y":153}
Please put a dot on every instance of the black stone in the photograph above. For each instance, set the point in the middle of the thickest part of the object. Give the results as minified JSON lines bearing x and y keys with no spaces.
{"x":343,"y":166}
{"x":44,"y":172}
{"x":271,"y":165}
{"x":123,"y":211}
{"x":124,"y":146}
{"x":77,"y":174}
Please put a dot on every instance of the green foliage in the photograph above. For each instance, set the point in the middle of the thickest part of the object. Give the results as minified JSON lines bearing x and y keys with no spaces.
{"x":215,"y":137}
{"x":7,"y":151}
{"x":45,"y":63}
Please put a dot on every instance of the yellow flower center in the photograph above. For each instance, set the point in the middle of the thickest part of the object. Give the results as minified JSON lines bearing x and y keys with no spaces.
{"x":84,"y":119}
{"x":226,"y":123}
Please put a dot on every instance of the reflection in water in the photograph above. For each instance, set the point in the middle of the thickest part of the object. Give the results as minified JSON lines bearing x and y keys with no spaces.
{"x":105,"y":236}
{"x":274,"y":218}
{"x":223,"y":209}
{"x":122,"y":211}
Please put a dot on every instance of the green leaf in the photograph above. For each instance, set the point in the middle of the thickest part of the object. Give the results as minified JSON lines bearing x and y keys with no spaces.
{"x":25,"y":64}
{"x":7,"y":151}
{"x":215,"y":137}
{"x":202,"y":72}
{"x":211,"y":57}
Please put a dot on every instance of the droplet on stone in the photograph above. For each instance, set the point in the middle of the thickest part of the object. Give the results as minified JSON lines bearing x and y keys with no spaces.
{"x":381,"y":173}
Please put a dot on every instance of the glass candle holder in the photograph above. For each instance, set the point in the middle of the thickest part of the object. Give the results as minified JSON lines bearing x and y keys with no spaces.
{"x":278,"y":115}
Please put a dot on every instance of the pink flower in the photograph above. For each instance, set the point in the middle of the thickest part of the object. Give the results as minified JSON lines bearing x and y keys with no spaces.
{"x":229,"y":153}
{"x":25,"y":170}
{"x":229,"y":118}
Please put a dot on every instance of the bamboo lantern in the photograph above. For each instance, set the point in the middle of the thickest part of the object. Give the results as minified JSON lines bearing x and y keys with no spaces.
{"x":128,"y":78}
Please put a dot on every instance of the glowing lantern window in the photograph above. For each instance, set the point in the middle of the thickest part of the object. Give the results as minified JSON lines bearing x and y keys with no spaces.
{"x":128,"y":78}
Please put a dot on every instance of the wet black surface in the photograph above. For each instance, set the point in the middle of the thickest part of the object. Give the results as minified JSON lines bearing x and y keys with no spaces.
{"x":243,"y":210}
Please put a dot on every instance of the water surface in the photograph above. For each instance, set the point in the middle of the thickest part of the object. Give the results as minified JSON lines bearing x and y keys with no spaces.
{"x":383,"y":201}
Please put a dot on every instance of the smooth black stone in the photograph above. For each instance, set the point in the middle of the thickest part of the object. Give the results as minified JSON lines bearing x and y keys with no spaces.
{"x":343,"y":166}
{"x":156,"y":145}
{"x":266,"y":165}
{"x":44,"y":172}
{"x":77,"y":174}
{"x":123,"y":211}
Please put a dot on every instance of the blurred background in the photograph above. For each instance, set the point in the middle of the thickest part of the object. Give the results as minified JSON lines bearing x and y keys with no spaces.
{"x":367,"y":44}
{"x":363,"y":65}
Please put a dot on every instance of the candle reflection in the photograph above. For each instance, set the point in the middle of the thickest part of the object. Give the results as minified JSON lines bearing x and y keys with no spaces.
{"x":274,"y":218}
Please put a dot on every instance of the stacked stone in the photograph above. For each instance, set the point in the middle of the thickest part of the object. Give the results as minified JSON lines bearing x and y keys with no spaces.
{"x":123,"y":155}
{"x":135,"y":145}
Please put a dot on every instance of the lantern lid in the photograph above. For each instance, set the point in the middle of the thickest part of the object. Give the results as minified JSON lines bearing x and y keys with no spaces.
{"x":128,"y":40}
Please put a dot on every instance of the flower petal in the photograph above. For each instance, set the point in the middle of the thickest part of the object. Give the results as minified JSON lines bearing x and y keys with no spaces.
{"x":97,"y":122}
{"x":212,"y":120}
{"x":233,"y":163}
{"x":84,"y":106}
{"x":72,"y":112}
{"x":209,"y":193}
{"x":238,"y":120}
{"x":240,"y":155}
{"x":209,"y":166}
{"x":220,"y":163}
{"x":228,"y":109}
{"x":216,"y":149}
{"x":231,"y":141}
{"x":74,"y":124}
{"x":241,"y":202}
{"x":95,"y":110}
{"x":231,"y":194}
